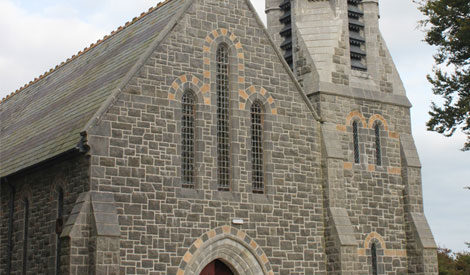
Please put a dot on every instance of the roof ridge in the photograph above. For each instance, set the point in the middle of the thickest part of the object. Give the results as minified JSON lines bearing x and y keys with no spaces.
{"x":85,"y":50}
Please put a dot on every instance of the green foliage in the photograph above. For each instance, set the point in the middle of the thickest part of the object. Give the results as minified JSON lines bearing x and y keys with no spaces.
{"x":453,"y":263}
{"x":447,"y":26}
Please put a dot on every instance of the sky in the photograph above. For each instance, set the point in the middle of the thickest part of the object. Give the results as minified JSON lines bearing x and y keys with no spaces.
{"x":36,"y":35}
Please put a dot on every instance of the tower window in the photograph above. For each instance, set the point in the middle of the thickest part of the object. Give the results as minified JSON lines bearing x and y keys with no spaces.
{"x":257,"y":148}
{"x":223,"y":137}
{"x":356,"y":142}
{"x":25,"y":235}
{"x":378,"y":152}
{"x":187,"y":139}
{"x":373,"y":252}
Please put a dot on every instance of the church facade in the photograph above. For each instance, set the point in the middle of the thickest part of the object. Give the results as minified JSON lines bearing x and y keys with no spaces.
{"x":193,"y":140}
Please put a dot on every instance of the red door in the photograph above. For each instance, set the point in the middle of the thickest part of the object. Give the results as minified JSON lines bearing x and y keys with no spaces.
{"x":216,"y":268}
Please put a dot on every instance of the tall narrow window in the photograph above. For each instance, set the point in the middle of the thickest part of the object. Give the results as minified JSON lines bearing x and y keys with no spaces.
{"x":59,"y":224}
{"x":257,"y":148}
{"x":223,"y":138}
{"x":10,"y":229}
{"x":187,"y":139}
{"x":356,"y":142}
{"x":378,"y":152}
{"x":373,"y":253}
{"x":25,"y":235}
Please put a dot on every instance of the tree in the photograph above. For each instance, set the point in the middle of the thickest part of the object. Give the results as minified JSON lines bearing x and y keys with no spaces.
{"x":453,"y":263}
{"x":445,"y":261}
{"x":447,"y":26}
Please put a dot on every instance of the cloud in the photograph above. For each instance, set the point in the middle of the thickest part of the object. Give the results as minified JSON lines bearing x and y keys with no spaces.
{"x":33,"y":43}
{"x":37,"y":37}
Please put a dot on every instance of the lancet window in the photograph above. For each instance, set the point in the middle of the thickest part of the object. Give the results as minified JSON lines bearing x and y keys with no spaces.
{"x":188,"y":132}
{"x":223,"y":127}
{"x":257,"y":147}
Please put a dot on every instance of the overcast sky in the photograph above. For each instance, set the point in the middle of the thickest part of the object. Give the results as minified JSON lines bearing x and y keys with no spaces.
{"x":36,"y":35}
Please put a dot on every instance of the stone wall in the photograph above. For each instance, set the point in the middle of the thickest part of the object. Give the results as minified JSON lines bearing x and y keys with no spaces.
{"x":40,"y":186}
{"x":126,"y":209}
{"x":379,"y":199}
{"x":159,"y":219}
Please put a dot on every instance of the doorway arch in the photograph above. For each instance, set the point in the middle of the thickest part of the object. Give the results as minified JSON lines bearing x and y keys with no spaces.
{"x":230,"y":246}
{"x":216,"y":267}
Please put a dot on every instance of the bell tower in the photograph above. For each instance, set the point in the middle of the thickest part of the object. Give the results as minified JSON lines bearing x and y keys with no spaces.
{"x":339,"y":40}
{"x":371,"y":178}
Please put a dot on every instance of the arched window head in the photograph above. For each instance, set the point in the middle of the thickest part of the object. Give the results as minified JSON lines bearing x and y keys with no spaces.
{"x":356,"y":142}
{"x":373,"y":253}
{"x":257,"y":147}
{"x":25,"y":234}
{"x":378,"y":150}
{"x":222,"y":58}
{"x":223,"y":127}
{"x":188,"y":131}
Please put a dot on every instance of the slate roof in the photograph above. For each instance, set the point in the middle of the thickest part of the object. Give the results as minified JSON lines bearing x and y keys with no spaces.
{"x":44,"y":119}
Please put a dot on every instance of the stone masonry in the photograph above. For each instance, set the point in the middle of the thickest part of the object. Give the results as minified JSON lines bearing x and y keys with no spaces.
{"x":368,"y":201}
{"x":70,"y":174}
{"x":322,"y":211}
{"x":158,"y":218}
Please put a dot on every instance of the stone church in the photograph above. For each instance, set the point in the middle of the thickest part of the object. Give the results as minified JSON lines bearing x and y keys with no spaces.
{"x":193,"y":140}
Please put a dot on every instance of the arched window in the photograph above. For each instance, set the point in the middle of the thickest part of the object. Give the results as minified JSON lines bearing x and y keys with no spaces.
{"x":378,"y":151}
{"x":59,"y":225}
{"x":356,"y":142}
{"x":257,"y":147}
{"x":223,"y":137}
{"x":10,"y":229}
{"x":25,"y":234}
{"x":188,"y":103}
{"x":373,"y":253}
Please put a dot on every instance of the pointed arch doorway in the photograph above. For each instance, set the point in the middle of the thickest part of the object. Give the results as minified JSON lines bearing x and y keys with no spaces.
{"x":216,"y":267}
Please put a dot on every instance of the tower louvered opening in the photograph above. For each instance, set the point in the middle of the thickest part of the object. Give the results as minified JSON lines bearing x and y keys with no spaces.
{"x":356,"y":40}
{"x":286,"y":32}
